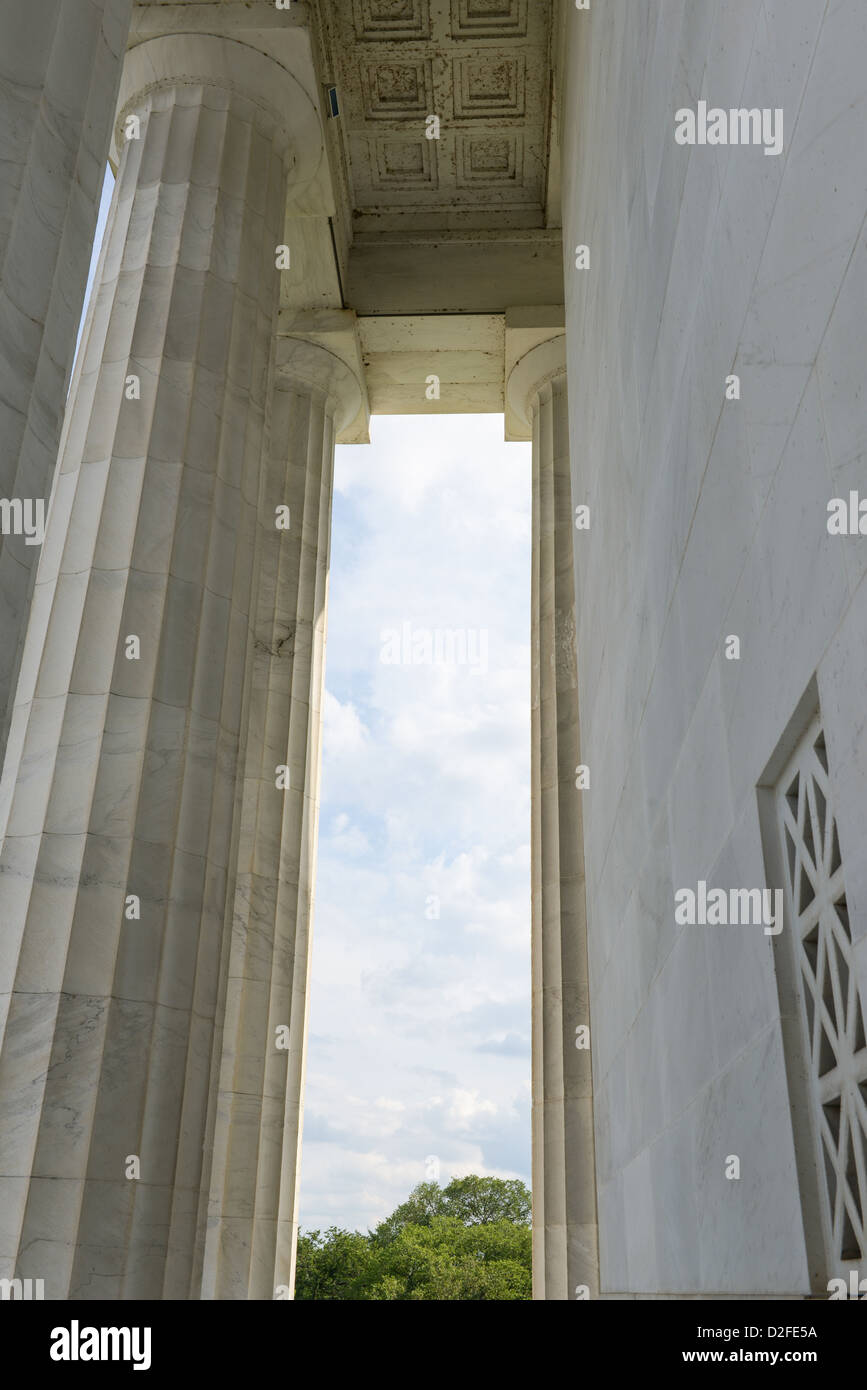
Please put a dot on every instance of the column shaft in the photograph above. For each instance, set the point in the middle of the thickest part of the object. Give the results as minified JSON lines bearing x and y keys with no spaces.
{"x":564,"y":1185}
{"x":60,"y":64}
{"x":252,"y":1210}
{"x":128,"y":797}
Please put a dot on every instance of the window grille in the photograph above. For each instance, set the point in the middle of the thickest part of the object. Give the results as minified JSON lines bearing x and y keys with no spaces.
{"x":832,"y":1014}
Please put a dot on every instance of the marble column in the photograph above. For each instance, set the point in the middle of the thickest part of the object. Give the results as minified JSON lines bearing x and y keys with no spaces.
{"x":60,"y":65}
{"x":136,"y":829}
{"x":565,"y":1243}
{"x":253,"y":1204}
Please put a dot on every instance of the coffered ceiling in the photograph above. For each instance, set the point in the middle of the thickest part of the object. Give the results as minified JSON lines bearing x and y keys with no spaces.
{"x":481,"y":67}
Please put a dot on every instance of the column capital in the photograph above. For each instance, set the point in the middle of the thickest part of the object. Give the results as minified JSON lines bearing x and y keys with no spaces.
{"x":543,"y":363}
{"x":300,"y":363}
{"x":337,"y":331}
{"x":278,"y":102}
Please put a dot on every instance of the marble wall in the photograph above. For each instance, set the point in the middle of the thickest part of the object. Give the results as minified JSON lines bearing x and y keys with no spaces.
{"x":708,"y":518}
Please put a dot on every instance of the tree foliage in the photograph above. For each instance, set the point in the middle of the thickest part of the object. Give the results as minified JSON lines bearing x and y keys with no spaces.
{"x":467,"y":1241}
{"x":331,"y":1264}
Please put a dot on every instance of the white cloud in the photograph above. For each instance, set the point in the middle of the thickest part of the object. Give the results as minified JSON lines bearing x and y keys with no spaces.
{"x":419,"y":1037}
{"x":466,"y":1107}
{"x":342,"y":727}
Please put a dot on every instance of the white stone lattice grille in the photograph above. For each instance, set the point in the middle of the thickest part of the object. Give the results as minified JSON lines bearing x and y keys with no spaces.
{"x":831,"y":1009}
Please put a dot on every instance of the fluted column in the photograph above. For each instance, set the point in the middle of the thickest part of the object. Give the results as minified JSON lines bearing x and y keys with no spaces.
{"x":565,"y":1248}
{"x":60,"y":64}
{"x":128,"y":798}
{"x":253,"y":1206}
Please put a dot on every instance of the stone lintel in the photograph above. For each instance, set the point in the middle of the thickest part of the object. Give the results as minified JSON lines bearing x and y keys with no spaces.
{"x":403,"y":352}
{"x":454,"y":273}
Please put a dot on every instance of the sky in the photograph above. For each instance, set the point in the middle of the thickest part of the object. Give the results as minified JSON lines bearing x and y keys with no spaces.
{"x":102,"y":218}
{"x":419,"y":1045}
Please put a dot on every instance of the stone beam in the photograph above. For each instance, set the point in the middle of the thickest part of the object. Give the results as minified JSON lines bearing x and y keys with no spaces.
{"x":434,"y":364}
{"x":453,"y":273}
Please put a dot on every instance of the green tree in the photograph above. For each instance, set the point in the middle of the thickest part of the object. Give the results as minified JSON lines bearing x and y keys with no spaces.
{"x":422,"y":1204}
{"x":332,"y":1264}
{"x":468,"y":1241}
{"x":480,"y":1201}
{"x":448,"y":1260}
{"x":471,"y":1200}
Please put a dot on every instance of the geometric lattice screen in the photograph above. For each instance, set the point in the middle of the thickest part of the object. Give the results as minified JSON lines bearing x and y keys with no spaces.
{"x":831,"y":1008}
